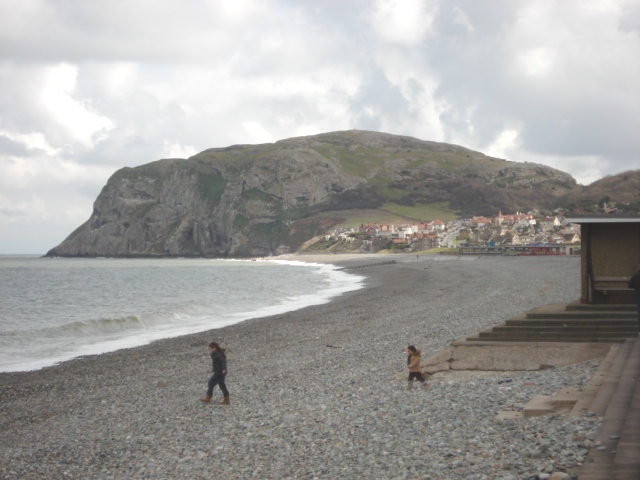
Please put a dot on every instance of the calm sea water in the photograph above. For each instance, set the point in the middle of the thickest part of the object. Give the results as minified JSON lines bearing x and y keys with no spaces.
{"x":53,"y":309}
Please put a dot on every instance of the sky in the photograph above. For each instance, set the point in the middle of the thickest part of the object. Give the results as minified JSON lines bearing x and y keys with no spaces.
{"x":87,"y":88}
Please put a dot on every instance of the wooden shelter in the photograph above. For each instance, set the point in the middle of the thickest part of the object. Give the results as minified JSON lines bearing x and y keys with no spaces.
{"x":610,"y":255}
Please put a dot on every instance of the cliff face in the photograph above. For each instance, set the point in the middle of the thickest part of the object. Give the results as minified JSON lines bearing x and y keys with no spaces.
{"x":257,"y":200}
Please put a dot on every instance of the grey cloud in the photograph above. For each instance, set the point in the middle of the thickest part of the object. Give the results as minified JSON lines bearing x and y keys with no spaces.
{"x":12,"y":148}
{"x":378,"y":95}
{"x":630,"y":20}
{"x":578,"y":114}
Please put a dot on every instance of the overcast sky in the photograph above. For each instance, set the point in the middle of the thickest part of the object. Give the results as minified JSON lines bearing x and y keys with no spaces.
{"x":89,"y":87}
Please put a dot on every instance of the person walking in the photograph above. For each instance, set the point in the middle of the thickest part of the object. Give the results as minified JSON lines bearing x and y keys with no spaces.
{"x":415,"y":371}
{"x":634,"y":283}
{"x":219,"y":361}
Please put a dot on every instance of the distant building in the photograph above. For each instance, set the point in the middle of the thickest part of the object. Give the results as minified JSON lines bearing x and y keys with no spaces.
{"x":510,"y":220}
{"x":438,"y":225}
{"x":481,"y":222}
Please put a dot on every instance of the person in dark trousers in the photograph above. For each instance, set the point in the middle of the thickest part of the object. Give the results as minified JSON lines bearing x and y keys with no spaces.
{"x":634,"y":283}
{"x":219,"y":361}
{"x":415,"y":371}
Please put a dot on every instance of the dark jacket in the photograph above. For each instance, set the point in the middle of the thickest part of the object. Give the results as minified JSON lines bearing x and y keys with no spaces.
{"x":219,"y":361}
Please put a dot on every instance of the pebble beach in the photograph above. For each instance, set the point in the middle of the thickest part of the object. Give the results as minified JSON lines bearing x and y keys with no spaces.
{"x":319,"y":392}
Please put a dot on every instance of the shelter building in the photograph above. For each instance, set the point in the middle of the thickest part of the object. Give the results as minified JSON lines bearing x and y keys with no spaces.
{"x":610,"y":255}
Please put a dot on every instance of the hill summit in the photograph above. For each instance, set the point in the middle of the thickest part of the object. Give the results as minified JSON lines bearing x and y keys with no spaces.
{"x":260,"y":200}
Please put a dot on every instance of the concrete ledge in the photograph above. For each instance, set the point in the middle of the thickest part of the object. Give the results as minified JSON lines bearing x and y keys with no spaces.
{"x":538,"y":406}
{"x":512,"y":356}
{"x":589,"y":398}
{"x":565,"y":398}
{"x":507,"y":416}
{"x":561,"y":401}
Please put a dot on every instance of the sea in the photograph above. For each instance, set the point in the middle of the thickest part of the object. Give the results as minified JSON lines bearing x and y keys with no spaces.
{"x":57,"y":309}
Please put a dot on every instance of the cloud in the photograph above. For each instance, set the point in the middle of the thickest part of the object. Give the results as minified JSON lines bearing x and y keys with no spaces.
{"x":175,"y":150}
{"x":404,"y":22}
{"x":86,"y":90}
{"x":77,"y":119}
{"x":45,"y":196}
{"x":505,"y":143}
{"x":140,"y":30}
{"x":257,"y":132}
{"x":21,"y":144}
{"x":562,"y":90}
{"x":461,"y":18}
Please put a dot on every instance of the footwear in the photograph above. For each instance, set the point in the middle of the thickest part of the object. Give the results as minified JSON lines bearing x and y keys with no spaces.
{"x":426,"y":386}
{"x":410,"y":385}
{"x":225,"y":401}
{"x":206,"y":399}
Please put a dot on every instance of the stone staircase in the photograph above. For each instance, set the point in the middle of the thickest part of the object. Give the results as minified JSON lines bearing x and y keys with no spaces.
{"x":618,"y":401}
{"x":570,"y":323}
{"x":613,"y":393}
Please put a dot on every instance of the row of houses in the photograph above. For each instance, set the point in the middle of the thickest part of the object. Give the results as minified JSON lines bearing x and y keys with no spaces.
{"x":402,"y":231}
{"x":517,"y":229}
{"x":422,"y":235}
{"x":516,"y":239}
{"x":518,"y":220}
{"x":406,"y":235}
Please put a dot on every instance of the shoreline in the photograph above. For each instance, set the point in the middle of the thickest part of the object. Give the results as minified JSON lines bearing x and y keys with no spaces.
{"x":321,"y":297}
{"x":310,"y":259}
{"x":315,"y":392}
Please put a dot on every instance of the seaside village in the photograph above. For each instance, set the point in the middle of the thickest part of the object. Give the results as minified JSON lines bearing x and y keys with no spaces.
{"x":504,"y":234}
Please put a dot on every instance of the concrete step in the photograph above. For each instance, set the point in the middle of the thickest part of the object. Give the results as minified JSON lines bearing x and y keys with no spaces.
{"x":567,"y":328}
{"x":548,"y":339}
{"x":585,"y":404}
{"x":619,"y":432}
{"x":600,"y":473}
{"x":542,"y":335}
{"x":609,"y":383}
{"x":595,"y":308}
{"x":567,"y":323}
{"x":627,"y":459}
{"x":553,"y":322}
{"x":538,"y":406}
{"x":583,"y":315}
{"x":561,"y":401}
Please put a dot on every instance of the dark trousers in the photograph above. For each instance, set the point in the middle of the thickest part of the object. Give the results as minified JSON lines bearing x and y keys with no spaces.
{"x":217,"y":379}
{"x":416,"y":375}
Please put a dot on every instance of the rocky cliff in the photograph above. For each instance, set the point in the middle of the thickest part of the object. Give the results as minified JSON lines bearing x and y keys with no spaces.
{"x":257,"y":200}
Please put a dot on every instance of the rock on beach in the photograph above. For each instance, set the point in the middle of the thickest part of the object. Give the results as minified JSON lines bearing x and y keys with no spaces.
{"x":315,"y":393}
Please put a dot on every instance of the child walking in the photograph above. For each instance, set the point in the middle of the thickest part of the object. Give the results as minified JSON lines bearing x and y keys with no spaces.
{"x":413,"y":364}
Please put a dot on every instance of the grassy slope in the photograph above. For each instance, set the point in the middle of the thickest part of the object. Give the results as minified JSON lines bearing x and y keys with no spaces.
{"x":391,"y":213}
{"x":432,"y":211}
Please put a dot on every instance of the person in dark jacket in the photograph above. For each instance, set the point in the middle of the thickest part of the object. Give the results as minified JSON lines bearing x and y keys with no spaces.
{"x":635,"y":284}
{"x":415,"y":371}
{"x":219,"y":361}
